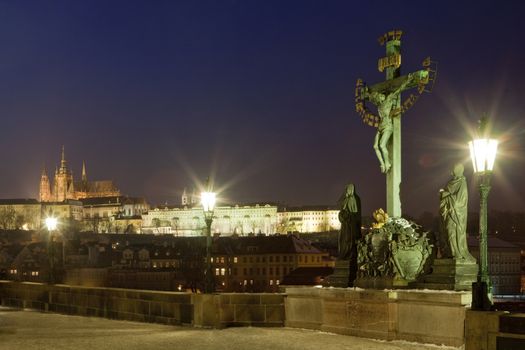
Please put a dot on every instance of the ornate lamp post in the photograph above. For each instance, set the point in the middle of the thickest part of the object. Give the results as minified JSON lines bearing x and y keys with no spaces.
{"x":208,"y":200}
{"x":51,"y":225}
{"x":483,"y":153}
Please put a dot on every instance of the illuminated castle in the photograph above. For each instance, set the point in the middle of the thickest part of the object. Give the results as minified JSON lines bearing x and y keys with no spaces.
{"x":65,"y":188}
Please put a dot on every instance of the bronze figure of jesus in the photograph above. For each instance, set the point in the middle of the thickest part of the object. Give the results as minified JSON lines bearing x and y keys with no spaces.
{"x":386,"y":104}
{"x":386,"y":96}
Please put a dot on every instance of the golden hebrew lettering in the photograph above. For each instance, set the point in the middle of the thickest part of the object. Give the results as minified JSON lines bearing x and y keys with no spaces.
{"x":389,"y":61}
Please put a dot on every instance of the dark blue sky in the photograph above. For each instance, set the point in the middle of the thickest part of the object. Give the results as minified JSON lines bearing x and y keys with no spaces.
{"x":153,"y":94}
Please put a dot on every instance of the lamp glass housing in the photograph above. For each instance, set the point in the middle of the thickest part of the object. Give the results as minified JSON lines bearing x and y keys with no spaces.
{"x":208,"y":200}
{"x":51,"y":223}
{"x":483,"y":154}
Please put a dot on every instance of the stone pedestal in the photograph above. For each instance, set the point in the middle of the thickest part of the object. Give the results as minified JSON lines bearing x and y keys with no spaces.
{"x":384,"y":282}
{"x":450,"y":274}
{"x":340,"y":277}
{"x":410,"y":315}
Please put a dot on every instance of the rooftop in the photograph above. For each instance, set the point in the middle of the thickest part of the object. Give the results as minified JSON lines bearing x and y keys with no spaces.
{"x":493,"y":242}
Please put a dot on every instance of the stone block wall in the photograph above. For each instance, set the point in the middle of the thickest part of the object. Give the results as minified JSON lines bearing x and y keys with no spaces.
{"x":418,"y":316}
{"x":122,"y":304}
{"x":438,"y":317}
{"x":239,"y":309}
{"x":494,"y":330}
{"x":177,"y":308}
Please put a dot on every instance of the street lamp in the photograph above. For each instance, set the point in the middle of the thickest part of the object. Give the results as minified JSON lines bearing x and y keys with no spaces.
{"x":51,"y":225}
{"x":208,"y":200}
{"x":483,"y":154}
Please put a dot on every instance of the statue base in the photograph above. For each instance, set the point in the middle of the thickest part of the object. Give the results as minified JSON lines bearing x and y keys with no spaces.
{"x":341,"y":276}
{"x":383,"y":282}
{"x":449,"y":274}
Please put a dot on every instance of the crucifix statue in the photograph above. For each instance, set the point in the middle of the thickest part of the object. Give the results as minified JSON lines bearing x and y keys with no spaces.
{"x":386,"y":96}
{"x":386,"y":103}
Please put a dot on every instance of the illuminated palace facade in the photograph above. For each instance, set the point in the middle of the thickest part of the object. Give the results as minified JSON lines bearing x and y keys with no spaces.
{"x":65,"y":188}
{"x":188,"y":219}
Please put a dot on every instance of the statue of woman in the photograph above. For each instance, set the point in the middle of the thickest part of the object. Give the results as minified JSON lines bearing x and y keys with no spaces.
{"x":350,"y":218}
{"x":453,"y":213}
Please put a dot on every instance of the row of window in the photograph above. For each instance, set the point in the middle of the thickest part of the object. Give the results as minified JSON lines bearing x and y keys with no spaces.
{"x":250,"y":282}
{"x":250,"y":271}
{"x":271,"y":258}
{"x":33,"y":273}
{"x":162,"y":264}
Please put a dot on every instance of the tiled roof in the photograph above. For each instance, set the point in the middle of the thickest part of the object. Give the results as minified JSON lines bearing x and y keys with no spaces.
{"x":264,"y":245}
{"x":113,"y":200}
{"x":493,"y":242}
{"x":96,"y":186}
{"x":307,"y":208}
{"x":307,"y":276}
{"x":13,"y":201}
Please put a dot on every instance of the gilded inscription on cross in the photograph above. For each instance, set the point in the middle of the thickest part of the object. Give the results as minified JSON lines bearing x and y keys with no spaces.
{"x":386,"y":96}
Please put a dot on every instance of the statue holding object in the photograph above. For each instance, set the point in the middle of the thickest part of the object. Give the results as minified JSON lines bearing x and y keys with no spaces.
{"x":453,"y":213}
{"x":350,"y":232}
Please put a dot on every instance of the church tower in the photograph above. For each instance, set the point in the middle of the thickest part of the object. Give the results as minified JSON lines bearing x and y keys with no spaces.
{"x":45,"y":187}
{"x":184,"y":199}
{"x":195,"y":197}
{"x":84,"y":184}
{"x":63,"y":181}
{"x":84,"y":174}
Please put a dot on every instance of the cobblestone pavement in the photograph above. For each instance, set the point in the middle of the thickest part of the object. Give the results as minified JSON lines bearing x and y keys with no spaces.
{"x":29,"y":330}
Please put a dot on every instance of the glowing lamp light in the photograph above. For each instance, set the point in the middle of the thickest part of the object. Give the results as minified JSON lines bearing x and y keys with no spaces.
{"x":51,"y":224}
{"x":208,"y":200}
{"x":483,"y":154}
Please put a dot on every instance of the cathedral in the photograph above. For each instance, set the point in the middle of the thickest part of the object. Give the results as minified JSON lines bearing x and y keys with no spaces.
{"x":64,"y":187}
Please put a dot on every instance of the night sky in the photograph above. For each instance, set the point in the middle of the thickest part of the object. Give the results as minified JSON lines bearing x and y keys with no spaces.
{"x":158,"y":94}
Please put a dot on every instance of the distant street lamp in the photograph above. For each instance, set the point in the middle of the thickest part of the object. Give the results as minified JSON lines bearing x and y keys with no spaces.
{"x":51,"y":225}
{"x":208,"y":200}
{"x":483,"y":153}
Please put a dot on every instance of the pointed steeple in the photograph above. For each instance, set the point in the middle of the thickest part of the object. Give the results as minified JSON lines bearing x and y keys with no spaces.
{"x":84,"y":174}
{"x":63,"y":160}
{"x":184,"y":198}
{"x":45,"y":187}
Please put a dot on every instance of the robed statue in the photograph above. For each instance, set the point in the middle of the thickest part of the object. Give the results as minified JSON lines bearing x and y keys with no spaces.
{"x":350,"y":218}
{"x":453,"y":214}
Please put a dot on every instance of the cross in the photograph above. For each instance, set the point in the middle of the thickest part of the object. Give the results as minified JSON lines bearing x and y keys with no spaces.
{"x":386,"y":96}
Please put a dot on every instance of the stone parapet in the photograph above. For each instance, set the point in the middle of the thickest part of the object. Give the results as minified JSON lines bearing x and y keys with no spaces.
{"x":122,"y":304}
{"x":424,"y":316}
{"x":493,"y":330}
{"x":239,"y":309}
{"x":411,"y":315}
{"x":177,"y":308}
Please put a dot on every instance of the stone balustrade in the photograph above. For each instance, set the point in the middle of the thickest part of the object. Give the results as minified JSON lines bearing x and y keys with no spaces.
{"x":420,"y":316}
{"x":494,"y":330}
{"x":438,"y":317}
{"x":178,"y":308}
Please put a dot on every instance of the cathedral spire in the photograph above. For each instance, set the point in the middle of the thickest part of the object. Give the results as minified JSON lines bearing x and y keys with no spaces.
{"x":63,"y":160}
{"x":184,"y":198}
{"x":84,"y":174}
{"x":45,"y":187}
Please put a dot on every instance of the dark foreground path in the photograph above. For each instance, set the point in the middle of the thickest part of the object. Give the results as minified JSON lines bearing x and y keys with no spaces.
{"x":29,"y":330}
